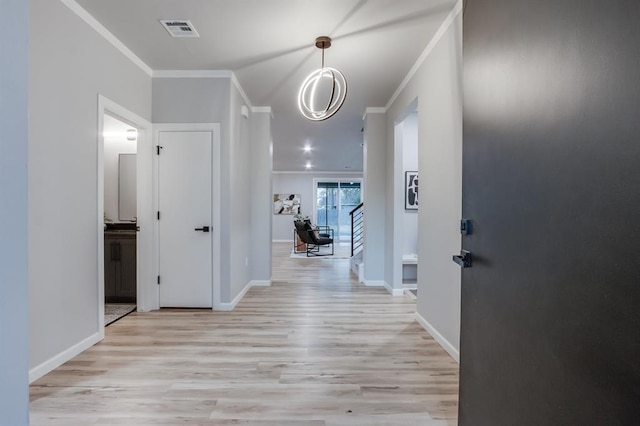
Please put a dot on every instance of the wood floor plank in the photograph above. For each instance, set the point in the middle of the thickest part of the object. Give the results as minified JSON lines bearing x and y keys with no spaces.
{"x":316,"y":348}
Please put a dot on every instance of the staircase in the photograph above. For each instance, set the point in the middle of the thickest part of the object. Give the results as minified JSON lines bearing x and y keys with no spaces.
{"x":357,"y":240}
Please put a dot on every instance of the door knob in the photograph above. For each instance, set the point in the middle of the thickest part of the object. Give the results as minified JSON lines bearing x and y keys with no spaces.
{"x":464,"y":259}
{"x":203,"y":229}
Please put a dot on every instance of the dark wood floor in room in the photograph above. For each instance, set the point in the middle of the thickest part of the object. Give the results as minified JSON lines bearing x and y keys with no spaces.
{"x":315,"y":348}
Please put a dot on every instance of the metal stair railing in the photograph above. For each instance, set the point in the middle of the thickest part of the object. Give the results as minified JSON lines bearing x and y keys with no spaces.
{"x":357,"y":229}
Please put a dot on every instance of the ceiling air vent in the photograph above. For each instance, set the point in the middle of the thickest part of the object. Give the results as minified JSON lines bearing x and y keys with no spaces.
{"x":179,"y":28}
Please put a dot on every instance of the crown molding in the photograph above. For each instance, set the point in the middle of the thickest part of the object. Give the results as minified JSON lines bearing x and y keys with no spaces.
{"x":427,"y":51}
{"x":373,"y":110}
{"x":107,"y":35}
{"x":192,"y":74}
{"x":311,"y":172}
{"x":262,"y":109}
{"x":204,"y":74}
{"x":100,"y":29}
{"x":236,"y":83}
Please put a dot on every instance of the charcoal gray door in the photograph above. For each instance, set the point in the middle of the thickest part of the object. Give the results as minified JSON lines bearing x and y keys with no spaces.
{"x":550,"y":327}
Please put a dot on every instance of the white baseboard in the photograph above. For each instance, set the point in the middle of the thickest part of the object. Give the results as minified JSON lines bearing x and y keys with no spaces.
{"x":283,"y":241}
{"x":374,"y":283}
{"x":260,"y":283}
{"x":446,"y":345}
{"x":394,"y":291}
{"x":231,"y":306}
{"x":51,"y":364}
{"x":380,"y":283}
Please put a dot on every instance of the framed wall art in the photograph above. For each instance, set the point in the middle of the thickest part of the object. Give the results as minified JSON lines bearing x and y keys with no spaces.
{"x":411,"y":190}
{"x":286,"y":204}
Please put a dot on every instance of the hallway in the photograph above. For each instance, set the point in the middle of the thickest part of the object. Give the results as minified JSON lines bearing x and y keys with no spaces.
{"x":315,"y":348}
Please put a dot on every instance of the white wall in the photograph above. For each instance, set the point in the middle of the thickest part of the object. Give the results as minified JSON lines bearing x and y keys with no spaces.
{"x":114,"y":146}
{"x":203,"y":100}
{"x":70,"y":64}
{"x":192,"y":100}
{"x":291,"y":183}
{"x":437,"y":84}
{"x":298,"y":183}
{"x":240,"y":204}
{"x":14,"y":331}
{"x":376,"y":234}
{"x":218,"y":100}
{"x":261,"y":184}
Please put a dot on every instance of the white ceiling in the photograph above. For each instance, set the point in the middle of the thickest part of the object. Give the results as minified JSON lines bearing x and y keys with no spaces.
{"x":269,"y":45}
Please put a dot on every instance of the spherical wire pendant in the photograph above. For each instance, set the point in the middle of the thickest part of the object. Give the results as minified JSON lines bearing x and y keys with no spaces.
{"x":323,"y":92}
{"x":318,"y":106}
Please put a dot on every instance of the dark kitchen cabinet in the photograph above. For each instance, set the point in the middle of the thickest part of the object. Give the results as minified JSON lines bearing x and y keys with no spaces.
{"x":120,"y":267}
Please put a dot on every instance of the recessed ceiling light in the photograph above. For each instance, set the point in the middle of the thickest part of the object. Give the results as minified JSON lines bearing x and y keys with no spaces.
{"x":307,"y":148}
{"x":307,"y":166}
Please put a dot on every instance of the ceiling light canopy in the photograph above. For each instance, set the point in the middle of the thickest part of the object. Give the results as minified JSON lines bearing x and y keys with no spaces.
{"x":323,"y":92}
{"x":132,"y":134}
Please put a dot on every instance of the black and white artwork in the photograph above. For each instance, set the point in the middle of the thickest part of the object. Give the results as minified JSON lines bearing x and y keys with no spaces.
{"x":411,"y":190}
{"x":286,"y":204}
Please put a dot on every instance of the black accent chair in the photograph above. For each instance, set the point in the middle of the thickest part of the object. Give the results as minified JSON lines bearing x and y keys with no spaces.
{"x":314,"y":241}
{"x":323,"y":231}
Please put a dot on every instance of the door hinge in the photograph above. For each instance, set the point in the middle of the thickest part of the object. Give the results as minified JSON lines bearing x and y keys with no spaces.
{"x":158,"y":279}
{"x":158,"y":148}
{"x":158,"y":215}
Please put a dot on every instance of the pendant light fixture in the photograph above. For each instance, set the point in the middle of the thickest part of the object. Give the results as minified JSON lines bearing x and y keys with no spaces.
{"x":323,"y":92}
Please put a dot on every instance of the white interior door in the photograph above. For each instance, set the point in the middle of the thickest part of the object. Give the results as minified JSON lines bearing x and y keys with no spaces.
{"x":184,"y":227}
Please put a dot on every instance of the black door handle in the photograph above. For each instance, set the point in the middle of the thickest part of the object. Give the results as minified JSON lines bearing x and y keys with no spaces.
{"x":114,"y":251}
{"x":203,"y":229}
{"x":464,"y":259}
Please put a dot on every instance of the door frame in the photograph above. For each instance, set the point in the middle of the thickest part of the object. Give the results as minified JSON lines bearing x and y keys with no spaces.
{"x":398,"y":195}
{"x":144,"y":208}
{"x":214,"y":128}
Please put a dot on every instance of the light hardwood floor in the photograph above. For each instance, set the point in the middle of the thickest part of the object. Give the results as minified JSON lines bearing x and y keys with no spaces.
{"x":315,"y":348}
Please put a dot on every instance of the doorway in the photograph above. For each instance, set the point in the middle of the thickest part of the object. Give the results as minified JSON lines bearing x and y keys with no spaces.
{"x":120,"y":217}
{"x":140,"y":222}
{"x":407,"y":201}
{"x":334,"y":200}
